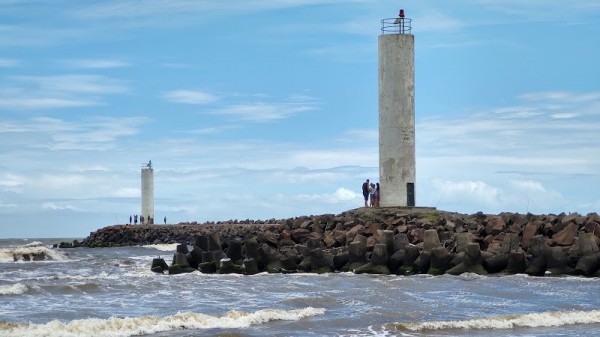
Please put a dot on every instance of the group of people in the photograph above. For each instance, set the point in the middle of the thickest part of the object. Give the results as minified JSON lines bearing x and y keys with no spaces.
{"x":371,"y":194}
{"x":135,"y":220}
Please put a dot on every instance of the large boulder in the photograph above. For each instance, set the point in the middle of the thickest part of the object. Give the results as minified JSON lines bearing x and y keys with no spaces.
{"x":531,"y":230}
{"x":567,"y":235}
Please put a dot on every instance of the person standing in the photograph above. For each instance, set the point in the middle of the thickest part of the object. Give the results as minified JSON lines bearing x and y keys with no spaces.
{"x":130,"y":219}
{"x":165,"y":220}
{"x":135,"y":219}
{"x":377,"y":195}
{"x":372,"y":195}
{"x":365,"y":190}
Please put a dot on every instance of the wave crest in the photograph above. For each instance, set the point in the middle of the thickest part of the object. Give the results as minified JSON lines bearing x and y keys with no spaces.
{"x":132,"y":326}
{"x":165,"y":247}
{"x":13,"y":289}
{"x":31,"y":251}
{"x":545,"y":319}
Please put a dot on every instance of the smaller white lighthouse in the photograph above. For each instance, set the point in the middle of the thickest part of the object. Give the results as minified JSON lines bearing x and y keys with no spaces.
{"x":148,"y":193}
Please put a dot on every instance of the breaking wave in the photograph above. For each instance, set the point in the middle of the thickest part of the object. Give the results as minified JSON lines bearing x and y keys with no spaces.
{"x":165,"y":247}
{"x":133,"y":326}
{"x":545,"y":319}
{"x":31,"y":251}
{"x":13,"y":289}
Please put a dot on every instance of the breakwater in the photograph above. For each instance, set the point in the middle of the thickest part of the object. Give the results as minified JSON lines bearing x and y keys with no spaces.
{"x":376,"y":240}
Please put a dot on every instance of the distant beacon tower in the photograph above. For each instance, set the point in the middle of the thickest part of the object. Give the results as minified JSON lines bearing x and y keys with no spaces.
{"x":397,"y":112}
{"x":148,"y":193}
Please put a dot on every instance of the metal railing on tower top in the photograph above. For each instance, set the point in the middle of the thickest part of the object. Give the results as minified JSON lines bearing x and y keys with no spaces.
{"x":398,"y":25}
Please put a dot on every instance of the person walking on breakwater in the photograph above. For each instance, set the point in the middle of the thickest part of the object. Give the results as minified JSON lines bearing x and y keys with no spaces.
{"x":130,"y":219}
{"x":135,"y":219}
{"x":165,"y":220}
{"x":365,"y":190}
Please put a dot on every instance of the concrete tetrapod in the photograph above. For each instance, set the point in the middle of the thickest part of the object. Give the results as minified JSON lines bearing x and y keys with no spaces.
{"x":472,"y":261}
{"x":378,"y":263}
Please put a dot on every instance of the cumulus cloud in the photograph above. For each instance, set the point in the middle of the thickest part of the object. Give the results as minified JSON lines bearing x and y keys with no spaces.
{"x":475,"y":193}
{"x":341,"y":195}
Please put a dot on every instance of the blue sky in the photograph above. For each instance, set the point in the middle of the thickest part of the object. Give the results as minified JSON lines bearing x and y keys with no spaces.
{"x":267,"y":109}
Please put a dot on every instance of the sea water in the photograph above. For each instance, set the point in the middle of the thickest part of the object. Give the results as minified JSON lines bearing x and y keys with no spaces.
{"x":112,"y":292}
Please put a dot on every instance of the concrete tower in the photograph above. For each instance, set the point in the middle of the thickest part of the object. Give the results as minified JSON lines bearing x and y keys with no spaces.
{"x":148,"y":193}
{"x":396,"y":112}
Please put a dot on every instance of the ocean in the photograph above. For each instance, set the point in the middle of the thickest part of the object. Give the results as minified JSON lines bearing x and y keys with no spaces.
{"x":112,"y":292}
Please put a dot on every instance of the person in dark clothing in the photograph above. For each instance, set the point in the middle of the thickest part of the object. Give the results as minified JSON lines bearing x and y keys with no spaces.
{"x":130,"y":219}
{"x":365,"y":190}
{"x":135,"y":219}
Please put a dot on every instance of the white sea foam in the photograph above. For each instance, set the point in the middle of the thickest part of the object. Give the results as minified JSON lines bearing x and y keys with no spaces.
{"x":165,"y":247}
{"x":133,"y":326}
{"x":31,"y":249}
{"x":33,"y":244}
{"x":13,"y":289}
{"x":544,"y":319}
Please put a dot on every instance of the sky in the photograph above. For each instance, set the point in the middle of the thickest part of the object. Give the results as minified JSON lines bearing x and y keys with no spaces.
{"x":268,"y":109}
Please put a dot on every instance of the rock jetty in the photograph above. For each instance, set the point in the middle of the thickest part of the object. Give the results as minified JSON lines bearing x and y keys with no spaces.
{"x":398,"y":241}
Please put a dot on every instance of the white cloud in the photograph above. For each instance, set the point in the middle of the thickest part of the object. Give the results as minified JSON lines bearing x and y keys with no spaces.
{"x":529,"y":186}
{"x":530,"y":131}
{"x":8,"y":206}
{"x":262,"y":112}
{"x":43,"y":103}
{"x":96,"y":63}
{"x":211,"y":130}
{"x":339,"y":196}
{"x":303,"y":175}
{"x":93,"y":134}
{"x":247,"y":111}
{"x":345,"y":195}
{"x":543,"y":9}
{"x":334,"y":157}
{"x":127,"y":192}
{"x":190,"y":96}
{"x":563,"y":115}
{"x":87,"y":84}
{"x":8,"y":63}
{"x":131,"y":9}
{"x":28,"y":35}
{"x":58,"y":206}
{"x":474,"y":193}
{"x":561,"y":96}
{"x":11,"y":182}
{"x":355,"y":135}
{"x":438,"y":22}
{"x":51,"y":92}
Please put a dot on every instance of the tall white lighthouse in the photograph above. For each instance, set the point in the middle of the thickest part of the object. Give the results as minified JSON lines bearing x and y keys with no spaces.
{"x":148,"y":193}
{"x":397,"y":112}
